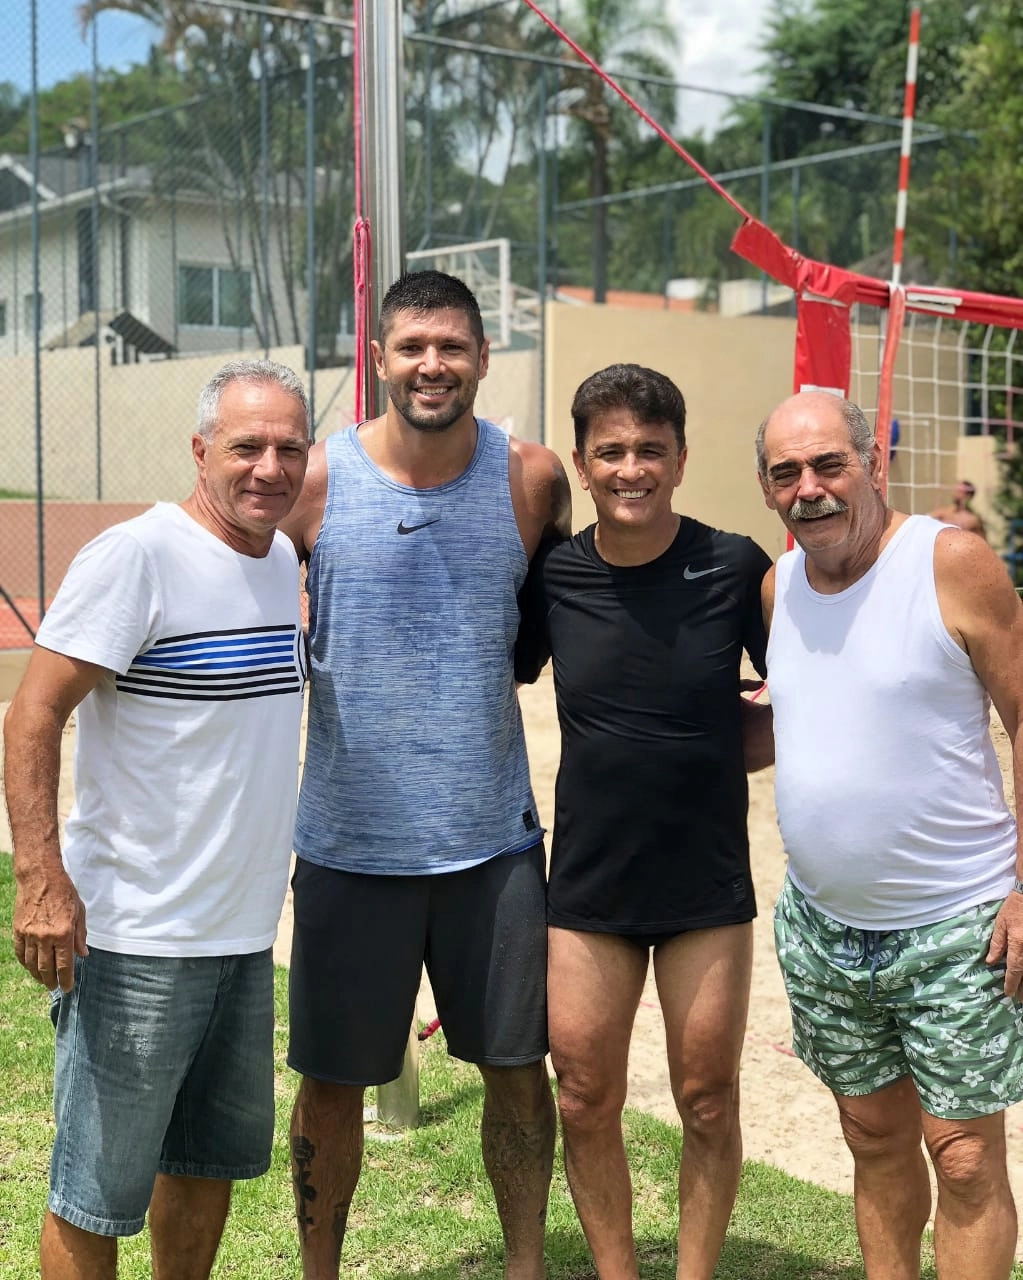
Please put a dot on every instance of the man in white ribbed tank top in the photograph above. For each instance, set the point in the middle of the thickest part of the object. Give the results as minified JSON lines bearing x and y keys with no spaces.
{"x":900,"y":925}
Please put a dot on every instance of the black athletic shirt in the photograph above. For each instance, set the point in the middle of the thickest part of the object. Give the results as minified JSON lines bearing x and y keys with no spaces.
{"x":650,"y":808}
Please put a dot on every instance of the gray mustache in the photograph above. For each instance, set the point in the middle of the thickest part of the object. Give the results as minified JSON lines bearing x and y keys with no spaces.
{"x":811,"y":510}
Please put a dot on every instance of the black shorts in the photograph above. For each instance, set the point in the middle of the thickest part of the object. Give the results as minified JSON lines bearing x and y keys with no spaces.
{"x":358,"y":949}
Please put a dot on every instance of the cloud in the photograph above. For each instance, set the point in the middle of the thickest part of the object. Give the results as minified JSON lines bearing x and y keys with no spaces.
{"x":720,"y":50}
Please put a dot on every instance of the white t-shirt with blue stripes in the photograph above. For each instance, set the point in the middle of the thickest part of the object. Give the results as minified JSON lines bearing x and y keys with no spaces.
{"x":186,"y":761}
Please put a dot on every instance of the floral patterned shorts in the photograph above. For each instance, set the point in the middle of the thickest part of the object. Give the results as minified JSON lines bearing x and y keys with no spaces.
{"x":871,"y":1007}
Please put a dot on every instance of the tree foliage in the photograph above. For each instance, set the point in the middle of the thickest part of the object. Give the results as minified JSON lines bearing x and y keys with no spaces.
{"x":481,"y":135}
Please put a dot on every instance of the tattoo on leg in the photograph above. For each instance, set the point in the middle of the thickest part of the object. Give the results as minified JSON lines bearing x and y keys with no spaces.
{"x":302,"y":1153}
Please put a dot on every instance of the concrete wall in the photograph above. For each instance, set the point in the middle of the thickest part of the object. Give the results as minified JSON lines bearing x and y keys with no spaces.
{"x":731,"y":372}
{"x":143,"y":455}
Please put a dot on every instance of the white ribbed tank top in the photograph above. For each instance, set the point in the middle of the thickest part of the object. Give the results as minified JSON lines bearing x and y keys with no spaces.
{"x":888,"y":790}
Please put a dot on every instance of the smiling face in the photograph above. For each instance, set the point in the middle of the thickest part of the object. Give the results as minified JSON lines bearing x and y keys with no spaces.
{"x":815,"y":479}
{"x":432,"y":365}
{"x":251,"y":469}
{"x":631,"y":469}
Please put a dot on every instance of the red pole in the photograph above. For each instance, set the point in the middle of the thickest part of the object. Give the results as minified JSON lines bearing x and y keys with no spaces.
{"x":908,"y":112}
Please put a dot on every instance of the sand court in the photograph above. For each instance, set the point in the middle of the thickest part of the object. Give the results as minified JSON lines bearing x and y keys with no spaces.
{"x":788,"y":1119}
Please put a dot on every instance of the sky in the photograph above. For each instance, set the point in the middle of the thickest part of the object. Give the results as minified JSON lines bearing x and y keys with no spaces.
{"x":718,"y":38}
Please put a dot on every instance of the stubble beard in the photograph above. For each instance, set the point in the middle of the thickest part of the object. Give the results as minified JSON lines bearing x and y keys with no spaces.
{"x":431,"y":423}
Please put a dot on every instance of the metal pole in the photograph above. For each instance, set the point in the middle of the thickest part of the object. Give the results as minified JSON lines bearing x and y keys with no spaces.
{"x":310,"y":216}
{"x":765,"y":194}
{"x":555,"y":177}
{"x":906,"y":149}
{"x":37,"y":364}
{"x":94,"y":247}
{"x":427,"y":239}
{"x":264,"y":173}
{"x":382,"y":77}
{"x":797,"y":193}
{"x":382,"y":74}
{"x":541,"y":253}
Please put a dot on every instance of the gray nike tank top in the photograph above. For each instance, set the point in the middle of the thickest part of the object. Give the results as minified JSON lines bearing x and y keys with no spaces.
{"x":415,"y":760}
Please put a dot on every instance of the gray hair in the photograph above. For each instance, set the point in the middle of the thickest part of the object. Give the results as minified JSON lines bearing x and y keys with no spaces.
{"x":263,"y":372}
{"x":861,"y":435}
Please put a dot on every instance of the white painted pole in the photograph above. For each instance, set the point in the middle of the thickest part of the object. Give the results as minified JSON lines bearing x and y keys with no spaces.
{"x":382,"y":84}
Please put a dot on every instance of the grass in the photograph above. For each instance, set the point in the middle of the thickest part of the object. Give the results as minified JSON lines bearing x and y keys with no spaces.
{"x":423,"y":1207}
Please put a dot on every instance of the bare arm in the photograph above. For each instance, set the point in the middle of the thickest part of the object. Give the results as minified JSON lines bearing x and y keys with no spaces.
{"x":541,"y":495}
{"x":49,"y":918}
{"x":757,"y":729}
{"x":302,"y":524}
{"x":984,"y":615}
{"x":767,"y":598}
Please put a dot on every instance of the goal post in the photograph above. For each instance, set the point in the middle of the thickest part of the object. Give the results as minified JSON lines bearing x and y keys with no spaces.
{"x":939,"y":363}
{"x":485,"y":266}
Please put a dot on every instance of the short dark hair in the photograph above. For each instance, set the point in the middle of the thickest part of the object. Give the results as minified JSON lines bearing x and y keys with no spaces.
{"x":649,"y":396}
{"x":423,"y":291}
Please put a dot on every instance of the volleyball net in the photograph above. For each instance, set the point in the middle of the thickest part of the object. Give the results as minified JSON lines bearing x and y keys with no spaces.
{"x":929,"y":364}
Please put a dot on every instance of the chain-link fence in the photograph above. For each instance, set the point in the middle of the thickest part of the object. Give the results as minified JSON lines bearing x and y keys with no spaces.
{"x":157,"y":219}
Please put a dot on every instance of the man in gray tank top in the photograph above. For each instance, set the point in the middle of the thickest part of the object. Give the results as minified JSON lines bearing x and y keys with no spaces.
{"x":417,"y":835}
{"x":900,"y":924}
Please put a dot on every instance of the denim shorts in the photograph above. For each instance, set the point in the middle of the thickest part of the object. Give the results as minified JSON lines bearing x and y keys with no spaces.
{"x":869,"y":1007}
{"x":163,"y":1065}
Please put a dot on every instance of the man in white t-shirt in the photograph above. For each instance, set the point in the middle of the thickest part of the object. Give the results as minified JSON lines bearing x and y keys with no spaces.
{"x":178,"y":638}
{"x":900,"y":924}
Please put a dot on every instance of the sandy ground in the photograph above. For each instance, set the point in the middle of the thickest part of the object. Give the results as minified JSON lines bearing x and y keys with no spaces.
{"x":789,"y":1119}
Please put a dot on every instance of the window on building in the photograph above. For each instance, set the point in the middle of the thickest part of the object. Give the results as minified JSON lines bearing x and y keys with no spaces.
{"x":86,"y":261}
{"x":32,"y":315}
{"x":216,"y":297}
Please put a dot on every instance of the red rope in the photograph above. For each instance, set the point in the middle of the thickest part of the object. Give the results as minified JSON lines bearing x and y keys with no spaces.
{"x":362,"y":244}
{"x":657,"y":128}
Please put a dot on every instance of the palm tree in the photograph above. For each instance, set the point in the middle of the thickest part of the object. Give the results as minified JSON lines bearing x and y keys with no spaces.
{"x":623,"y":36}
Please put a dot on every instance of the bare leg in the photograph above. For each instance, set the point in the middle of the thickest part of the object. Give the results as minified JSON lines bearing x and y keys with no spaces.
{"x":186,"y":1221}
{"x":69,"y":1253}
{"x":518,"y":1151}
{"x":703,"y":982}
{"x":975,"y":1223}
{"x":891,"y":1187}
{"x":594,"y":982}
{"x":326,"y":1160}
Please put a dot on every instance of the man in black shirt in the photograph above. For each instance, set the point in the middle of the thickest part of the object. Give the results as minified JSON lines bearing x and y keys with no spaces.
{"x":646,"y":614}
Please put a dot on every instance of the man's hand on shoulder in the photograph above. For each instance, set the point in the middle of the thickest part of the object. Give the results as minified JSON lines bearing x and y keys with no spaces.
{"x":302,"y":524}
{"x":541,"y":494}
{"x":1007,"y":942}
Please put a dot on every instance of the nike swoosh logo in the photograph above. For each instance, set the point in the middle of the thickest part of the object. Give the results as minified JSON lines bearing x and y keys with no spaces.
{"x":690,"y":574}
{"x":411,"y":528}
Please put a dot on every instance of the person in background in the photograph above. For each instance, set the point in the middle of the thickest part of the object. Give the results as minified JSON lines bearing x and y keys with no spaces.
{"x":959,"y":511}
